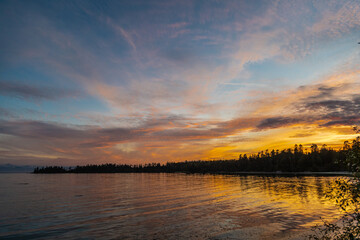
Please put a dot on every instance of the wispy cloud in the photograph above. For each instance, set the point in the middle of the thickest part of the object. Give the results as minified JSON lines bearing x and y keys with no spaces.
{"x":11,"y":88}
{"x":179,"y":79}
{"x":120,"y":30}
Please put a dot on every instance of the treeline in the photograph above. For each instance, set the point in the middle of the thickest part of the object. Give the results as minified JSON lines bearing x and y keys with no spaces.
{"x":295,"y":159}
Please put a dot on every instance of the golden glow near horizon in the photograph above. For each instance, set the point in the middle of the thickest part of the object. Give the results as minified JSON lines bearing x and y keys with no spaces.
{"x":205,"y":80}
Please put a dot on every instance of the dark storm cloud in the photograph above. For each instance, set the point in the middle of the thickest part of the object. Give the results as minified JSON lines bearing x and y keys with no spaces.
{"x":27,"y":91}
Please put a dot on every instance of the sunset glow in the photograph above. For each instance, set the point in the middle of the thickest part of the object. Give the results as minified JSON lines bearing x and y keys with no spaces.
{"x":91,"y":82}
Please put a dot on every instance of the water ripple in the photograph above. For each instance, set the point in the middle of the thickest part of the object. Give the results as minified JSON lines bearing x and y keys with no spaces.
{"x":159,"y":206}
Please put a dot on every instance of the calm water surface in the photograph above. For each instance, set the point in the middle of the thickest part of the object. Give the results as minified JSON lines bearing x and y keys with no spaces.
{"x":159,"y":206}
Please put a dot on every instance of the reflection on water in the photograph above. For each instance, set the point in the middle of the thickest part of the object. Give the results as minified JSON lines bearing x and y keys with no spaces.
{"x":159,"y":206}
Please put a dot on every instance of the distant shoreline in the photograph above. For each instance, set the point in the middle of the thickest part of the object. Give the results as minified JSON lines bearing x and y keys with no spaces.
{"x":285,"y":174}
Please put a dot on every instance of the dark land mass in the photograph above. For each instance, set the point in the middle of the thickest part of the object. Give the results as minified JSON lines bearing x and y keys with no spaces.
{"x":292,"y":161}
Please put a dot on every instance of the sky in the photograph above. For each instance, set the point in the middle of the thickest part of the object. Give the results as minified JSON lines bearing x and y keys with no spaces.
{"x":135,"y":82}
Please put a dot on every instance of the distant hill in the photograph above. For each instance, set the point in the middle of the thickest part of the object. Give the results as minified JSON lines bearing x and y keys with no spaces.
{"x":10,"y":168}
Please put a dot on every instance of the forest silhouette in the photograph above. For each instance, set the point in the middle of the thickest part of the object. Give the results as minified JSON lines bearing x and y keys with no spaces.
{"x":296,"y":159}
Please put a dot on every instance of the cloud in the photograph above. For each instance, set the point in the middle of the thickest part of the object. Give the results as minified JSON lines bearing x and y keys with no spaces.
{"x":276,"y":122}
{"x":323,"y":106}
{"x":36,"y":129}
{"x":175,"y":102}
{"x":346,"y":107}
{"x":27,"y":91}
{"x":180,"y":56}
{"x":302,"y":135}
{"x":125,"y":34}
{"x":172,"y":128}
{"x":6,"y":113}
{"x":343,"y":121}
{"x":337,"y":22}
{"x":338,"y":112}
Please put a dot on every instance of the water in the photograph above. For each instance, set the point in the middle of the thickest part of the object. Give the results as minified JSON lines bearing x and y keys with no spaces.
{"x":159,"y":206}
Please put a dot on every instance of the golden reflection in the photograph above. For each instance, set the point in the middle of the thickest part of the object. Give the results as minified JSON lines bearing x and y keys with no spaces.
{"x":274,"y":195}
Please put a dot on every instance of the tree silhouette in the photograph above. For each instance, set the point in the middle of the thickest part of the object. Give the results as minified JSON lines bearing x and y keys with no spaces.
{"x":346,"y":193}
{"x":286,"y":160}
